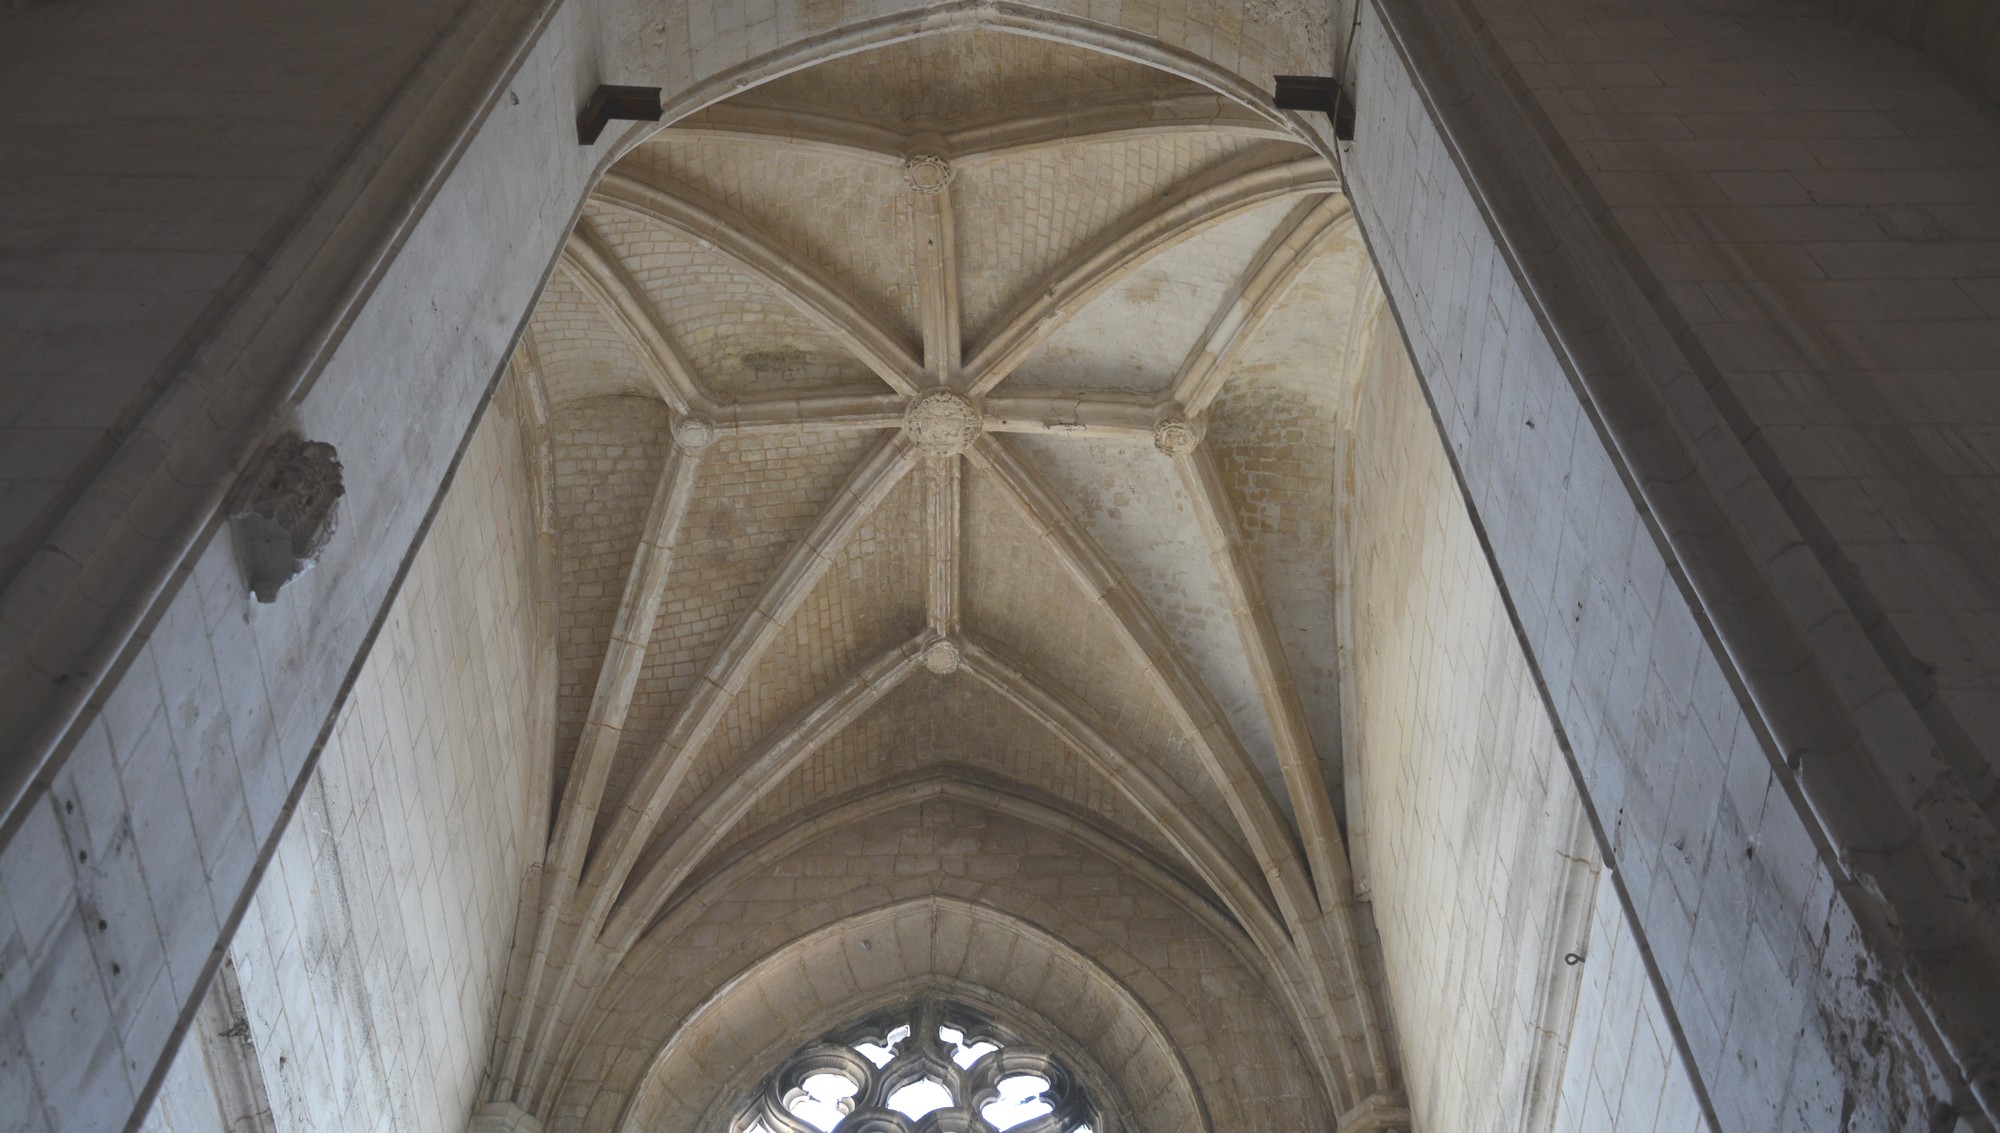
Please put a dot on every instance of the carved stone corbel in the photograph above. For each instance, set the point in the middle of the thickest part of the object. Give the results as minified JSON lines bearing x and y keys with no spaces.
{"x":285,"y":510}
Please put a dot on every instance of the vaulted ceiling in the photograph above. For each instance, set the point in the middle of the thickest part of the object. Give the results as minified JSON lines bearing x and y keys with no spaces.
{"x":950,"y":421}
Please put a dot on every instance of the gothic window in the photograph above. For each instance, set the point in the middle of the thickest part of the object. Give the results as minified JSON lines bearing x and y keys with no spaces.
{"x":929,"y":1067}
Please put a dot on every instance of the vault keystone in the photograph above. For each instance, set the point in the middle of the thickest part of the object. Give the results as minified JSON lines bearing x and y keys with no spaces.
{"x":1175,"y":435}
{"x":927,"y":174}
{"x":942,"y":657}
{"x":942,"y":422}
{"x":693,"y":432}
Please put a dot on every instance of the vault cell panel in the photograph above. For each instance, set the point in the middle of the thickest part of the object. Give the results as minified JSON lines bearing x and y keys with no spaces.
{"x":740,"y":335}
{"x":851,"y":218}
{"x":1022,"y":215}
{"x":1274,"y":430}
{"x":1018,"y":596}
{"x":937,"y":722}
{"x":755,"y":497}
{"x":581,"y":354}
{"x":608,"y":456}
{"x":940,"y":81}
{"x":1136,"y":335}
{"x":1299,"y":347}
{"x":1130,"y":499}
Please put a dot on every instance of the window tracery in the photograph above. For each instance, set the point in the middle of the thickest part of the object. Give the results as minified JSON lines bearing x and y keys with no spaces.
{"x":929,"y":1067}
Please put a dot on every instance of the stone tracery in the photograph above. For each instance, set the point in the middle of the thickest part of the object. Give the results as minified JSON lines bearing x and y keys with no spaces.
{"x":924,"y":1067}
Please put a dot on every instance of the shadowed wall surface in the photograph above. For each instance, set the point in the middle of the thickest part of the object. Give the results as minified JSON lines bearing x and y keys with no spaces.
{"x":976,"y":443}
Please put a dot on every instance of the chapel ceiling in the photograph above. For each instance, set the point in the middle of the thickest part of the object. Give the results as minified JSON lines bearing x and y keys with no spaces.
{"x":961,"y":409}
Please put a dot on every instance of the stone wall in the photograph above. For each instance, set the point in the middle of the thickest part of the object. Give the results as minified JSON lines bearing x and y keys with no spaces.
{"x":1696,"y":653}
{"x":1481,"y":863}
{"x":162,"y":728}
{"x":167,"y":167}
{"x":370,"y":961}
{"x":202,"y":724}
{"x":1818,"y":209}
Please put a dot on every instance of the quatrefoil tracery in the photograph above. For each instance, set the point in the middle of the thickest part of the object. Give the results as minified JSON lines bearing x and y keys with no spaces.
{"x":931,"y":1068}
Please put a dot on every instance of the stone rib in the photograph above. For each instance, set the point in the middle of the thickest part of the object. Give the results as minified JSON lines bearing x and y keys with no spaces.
{"x":733,"y":795}
{"x":1139,"y":114}
{"x":597,"y":272}
{"x":1269,"y":670}
{"x":1305,"y":232}
{"x":1278,"y":691}
{"x":1229,"y":189}
{"x":937,"y":285}
{"x":604,"y":724}
{"x":1060,"y":413}
{"x":834,"y":307}
{"x":944,"y":535}
{"x":832,"y":412}
{"x":1074,"y":413}
{"x":797,"y":126}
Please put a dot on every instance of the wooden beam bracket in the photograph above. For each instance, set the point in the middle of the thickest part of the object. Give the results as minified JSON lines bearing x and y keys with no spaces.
{"x":608,"y":103}
{"x":1318,"y":93}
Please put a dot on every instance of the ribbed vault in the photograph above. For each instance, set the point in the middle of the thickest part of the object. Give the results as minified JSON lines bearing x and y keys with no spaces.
{"x":941,"y":441}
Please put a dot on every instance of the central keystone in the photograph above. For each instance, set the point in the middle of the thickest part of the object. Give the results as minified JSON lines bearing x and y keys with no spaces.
{"x":942,"y":656}
{"x":942,"y":422}
{"x":927,"y":174}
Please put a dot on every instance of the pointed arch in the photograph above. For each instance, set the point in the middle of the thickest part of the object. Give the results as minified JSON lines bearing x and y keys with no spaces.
{"x":1245,"y":90}
{"x":1138,"y":1040}
{"x":1145,"y":114}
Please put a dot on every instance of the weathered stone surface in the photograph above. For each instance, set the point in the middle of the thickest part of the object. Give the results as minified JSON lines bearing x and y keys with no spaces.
{"x":1175,"y":435}
{"x":285,"y":510}
{"x":942,"y":422}
{"x":1117,"y":812}
{"x":927,"y":174}
{"x":942,"y":657}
